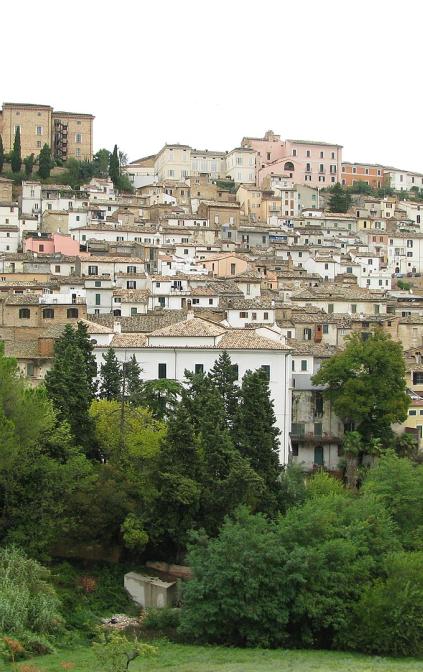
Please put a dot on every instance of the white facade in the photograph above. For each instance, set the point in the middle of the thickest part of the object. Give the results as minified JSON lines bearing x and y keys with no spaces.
{"x":240,"y":165}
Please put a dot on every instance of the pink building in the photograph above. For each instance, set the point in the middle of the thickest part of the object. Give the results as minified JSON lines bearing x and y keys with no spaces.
{"x":46,"y":243}
{"x":317,"y":164}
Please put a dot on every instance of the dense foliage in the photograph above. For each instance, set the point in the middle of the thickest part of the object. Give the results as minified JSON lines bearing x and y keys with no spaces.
{"x":134,"y":469}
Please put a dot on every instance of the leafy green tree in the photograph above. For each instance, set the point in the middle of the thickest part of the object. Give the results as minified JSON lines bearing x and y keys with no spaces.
{"x":366,"y":385}
{"x":388,"y":619}
{"x":115,"y":652}
{"x":114,"y":166}
{"x":1,"y":155}
{"x":110,"y":377}
{"x":398,"y":483}
{"x":161,"y":396}
{"x":69,"y":387}
{"x":133,"y":382}
{"x":16,"y":158}
{"x":340,"y":199}
{"x":256,"y":432}
{"x":29,"y":164}
{"x":44,"y":162}
{"x":142,"y":434}
{"x":229,"y":605}
{"x":101,"y":163}
{"x":360,"y":187}
{"x":224,"y":375}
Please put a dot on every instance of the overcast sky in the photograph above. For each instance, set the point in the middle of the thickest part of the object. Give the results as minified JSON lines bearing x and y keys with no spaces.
{"x":208,"y":73}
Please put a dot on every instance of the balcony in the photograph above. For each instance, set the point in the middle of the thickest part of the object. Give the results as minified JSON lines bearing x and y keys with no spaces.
{"x":314,"y":439}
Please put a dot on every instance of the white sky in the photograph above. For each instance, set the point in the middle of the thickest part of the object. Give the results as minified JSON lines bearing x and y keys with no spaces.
{"x":206,"y":73}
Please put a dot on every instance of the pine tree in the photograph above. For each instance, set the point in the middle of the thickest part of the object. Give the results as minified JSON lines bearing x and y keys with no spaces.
{"x":68,"y":387}
{"x":223,"y":376}
{"x":44,"y":162}
{"x":111,"y":377}
{"x":16,"y":158}
{"x":114,"y":166}
{"x":1,"y":155}
{"x":87,"y":349}
{"x":340,"y":199}
{"x":255,"y":429}
{"x":133,"y":382}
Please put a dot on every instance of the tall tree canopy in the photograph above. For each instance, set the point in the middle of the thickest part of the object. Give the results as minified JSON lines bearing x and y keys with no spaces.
{"x":366,"y":385}
{"x":340,"y":199}
{"x":16,"y":157}
{"x":44,"y":162}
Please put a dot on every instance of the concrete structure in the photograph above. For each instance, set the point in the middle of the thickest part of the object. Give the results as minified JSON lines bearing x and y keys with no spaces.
{"x":149,"y":591}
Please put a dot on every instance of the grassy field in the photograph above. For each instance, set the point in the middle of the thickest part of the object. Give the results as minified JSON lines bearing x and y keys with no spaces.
{"x":184,"y":658}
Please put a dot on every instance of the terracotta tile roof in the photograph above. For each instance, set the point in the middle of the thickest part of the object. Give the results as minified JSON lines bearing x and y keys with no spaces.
{"x":135,"y":340}
{"x":311,"y":348}
{"x":195,"y":326}
{"x":240,"y":339}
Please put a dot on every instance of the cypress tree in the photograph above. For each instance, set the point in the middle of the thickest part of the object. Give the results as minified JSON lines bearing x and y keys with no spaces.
{"x":223,"y":376}
{"x":29,"y":165}
{"x":134,"y":383}
{"x":44,"y":162}
{"x":1,"y":155}
{"x":111,"y":377}
{"x":114,"y":166}
{"x":87,"y":349}
{"x":68,"y":387}
{"x":255,"y":429}
{"x":16,"y":158}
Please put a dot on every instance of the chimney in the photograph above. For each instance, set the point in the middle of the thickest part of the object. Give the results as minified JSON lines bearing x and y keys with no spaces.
{"x":117,"y":327}
{"x":190,"y":314}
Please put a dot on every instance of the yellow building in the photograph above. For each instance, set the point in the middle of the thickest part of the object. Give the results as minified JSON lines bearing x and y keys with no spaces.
{"x":67,"y":133}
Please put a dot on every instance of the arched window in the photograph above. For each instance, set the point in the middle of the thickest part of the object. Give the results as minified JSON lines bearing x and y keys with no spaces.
{"x":72,"y":312}
{"x":289,"y":166}
{"x":48,"y":313}
{"x":24,"y":313}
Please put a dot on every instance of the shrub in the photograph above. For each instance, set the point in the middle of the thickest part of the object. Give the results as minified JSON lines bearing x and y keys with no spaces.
{"x":389,"y":615}
{"x":161,"y":619}
{"x":28,"y":603}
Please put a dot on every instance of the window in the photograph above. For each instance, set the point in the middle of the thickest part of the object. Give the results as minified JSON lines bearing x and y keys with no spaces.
{"x":265,"y":316}
{"x":131,"y":284}
{"x":332,"y":156}
{"x":48,"y":313}
{"x":330,"y":307}
{"x":377,"y":309}
{"x":131,"y":269}
{"x":41,"y":248}
{"x":294,"y":152}
{"x":243,"y":315}
{"x":97,"y":283}
{"x":308,"y":154}
{"x":199,"y":368}
{"x":92,"y":270}
{"x":134,"y":311}
{"x":162,"y":371}
{"x":417,"y":377}
{"x":210,"y":302}
{"x":30,"y":369}
{"x":325,"y":329}
{"x":233,"y":269}
{"x":97,"y":299}
{"x":317,"y":429}
{"x":78,"y":138}
{"x":353,"y":308}
{"x":24,"y":313}
{"x":268,"y":156}
{"x":266,"y":370}
{"x":298,"y":429}
{"x":303,"y":365}
{"x":72,"y":312}
{"x":412,"y":412}
{"x":321,"y":155}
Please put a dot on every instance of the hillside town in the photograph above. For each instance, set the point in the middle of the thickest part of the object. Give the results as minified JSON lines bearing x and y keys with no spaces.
{"x":238,"y":250}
